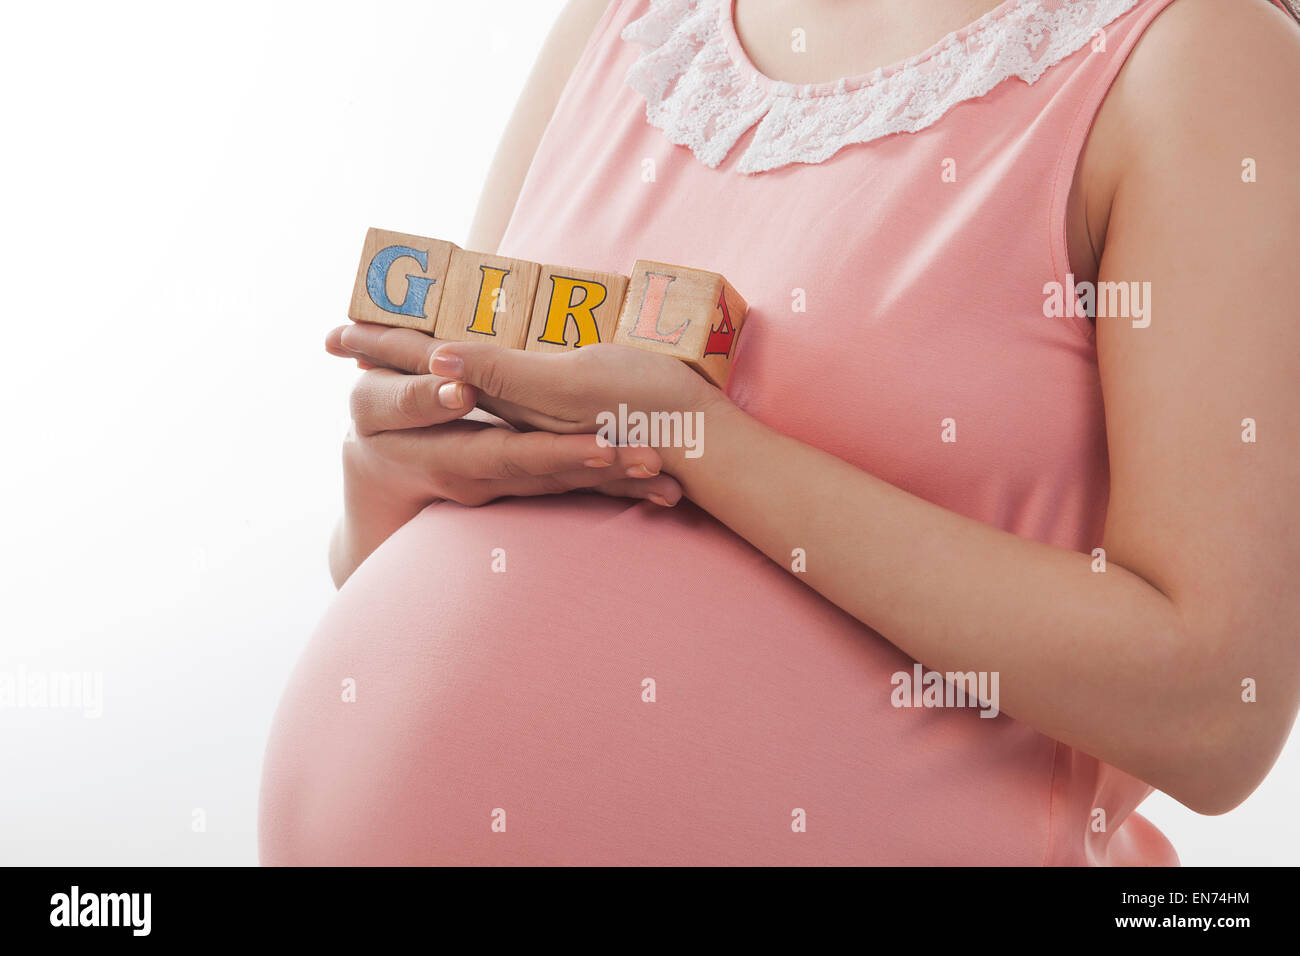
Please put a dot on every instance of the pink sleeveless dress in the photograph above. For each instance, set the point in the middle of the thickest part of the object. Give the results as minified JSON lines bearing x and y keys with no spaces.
{"x":916,"y":214}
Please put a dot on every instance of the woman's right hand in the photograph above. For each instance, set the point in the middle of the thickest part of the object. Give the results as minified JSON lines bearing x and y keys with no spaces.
{"x":413,"y":442}
{"x":410,"y":436}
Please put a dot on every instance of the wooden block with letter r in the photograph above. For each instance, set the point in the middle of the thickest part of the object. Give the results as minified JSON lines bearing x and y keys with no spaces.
{"x":691,"y":314}
{"x":575,"y":307}
{"x":400,"y":280}
{"x":487,"y":299}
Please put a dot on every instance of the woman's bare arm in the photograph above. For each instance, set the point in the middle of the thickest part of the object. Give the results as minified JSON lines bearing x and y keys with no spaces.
{"x":1142,"y":665}
{"x":560,"y":53}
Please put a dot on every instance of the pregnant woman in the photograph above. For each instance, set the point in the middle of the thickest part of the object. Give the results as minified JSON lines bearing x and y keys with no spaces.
{"x":965,"y":231}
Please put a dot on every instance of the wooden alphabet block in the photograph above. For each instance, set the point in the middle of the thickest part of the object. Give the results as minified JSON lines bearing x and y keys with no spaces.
{"x":691,"y":314}
{"x":487,"y":299}
{"x":400,"y":280}
{"x":574,"y":307}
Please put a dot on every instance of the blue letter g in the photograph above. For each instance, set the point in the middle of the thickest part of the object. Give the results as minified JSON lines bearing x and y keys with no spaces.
{"x":417,"y":286}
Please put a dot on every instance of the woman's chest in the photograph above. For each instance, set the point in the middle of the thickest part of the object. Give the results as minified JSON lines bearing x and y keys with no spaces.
{"x":896,"y":313}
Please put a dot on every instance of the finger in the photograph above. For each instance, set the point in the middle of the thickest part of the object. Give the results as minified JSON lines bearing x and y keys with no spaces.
{"x":476,"y":451}
{"x":404,"y":350}
{"x":533,"y":380}
{"x":501,"y":454}
{"x":663,"y":490}
{"x":622,"y":478}
{"x":385,"y":400}
{"x":637,"y":461}
{"x":334,"y":343}
{"x":504,"y":454}
{"x":630,"y":462}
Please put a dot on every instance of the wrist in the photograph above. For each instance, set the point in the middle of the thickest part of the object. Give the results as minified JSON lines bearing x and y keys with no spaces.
{"x":373,"y":483}
{"x":711,"y":415}
{"x":374,"y":503}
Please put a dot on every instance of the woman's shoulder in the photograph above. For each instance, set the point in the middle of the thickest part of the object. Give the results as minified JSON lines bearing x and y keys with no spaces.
{"x":1213,"y":72}
{"x":559,"y":56}
{"x":1207,"y":94}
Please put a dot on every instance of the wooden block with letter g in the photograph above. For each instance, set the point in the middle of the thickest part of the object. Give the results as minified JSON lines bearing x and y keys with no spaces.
{"x":691,"y":314}
{"x":400,"y":280}
{"x":487,"y":299}
{"x":575,"y":307}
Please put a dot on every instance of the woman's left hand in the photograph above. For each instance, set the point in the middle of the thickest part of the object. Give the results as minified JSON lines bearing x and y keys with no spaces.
{"x":565,"y":392}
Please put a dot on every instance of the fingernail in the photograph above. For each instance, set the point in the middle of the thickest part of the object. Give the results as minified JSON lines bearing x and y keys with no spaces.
{"x":597,"y":463}
{"x":451,"y":395}
{"x":448,"y":365}
{"x":660,"y":500}
{"x":639,"y":470}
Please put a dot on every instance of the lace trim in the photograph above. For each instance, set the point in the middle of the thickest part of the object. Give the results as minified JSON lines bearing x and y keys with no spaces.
{"x":702,"y":91}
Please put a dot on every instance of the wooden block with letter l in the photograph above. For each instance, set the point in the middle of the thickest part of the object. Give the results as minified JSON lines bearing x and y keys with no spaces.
{"x":691,"y":314}
{"x":575,"y":307}
{"x":401,"y":280}
{"x":487,"y":299}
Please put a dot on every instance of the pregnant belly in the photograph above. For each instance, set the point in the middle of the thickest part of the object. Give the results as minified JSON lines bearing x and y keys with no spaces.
{"x":579,"y":680}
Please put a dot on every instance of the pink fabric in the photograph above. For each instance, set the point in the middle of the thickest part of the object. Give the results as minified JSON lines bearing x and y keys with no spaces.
{"x":522,"y":691}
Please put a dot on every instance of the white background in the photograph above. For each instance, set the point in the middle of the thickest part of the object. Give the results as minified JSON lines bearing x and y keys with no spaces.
{"x":185,"y":188}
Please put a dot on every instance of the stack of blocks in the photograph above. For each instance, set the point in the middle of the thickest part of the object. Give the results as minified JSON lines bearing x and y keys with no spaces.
{"x":460,"y":296}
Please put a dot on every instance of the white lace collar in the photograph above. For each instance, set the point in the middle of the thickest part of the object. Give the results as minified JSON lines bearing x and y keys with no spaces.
{"x":701,"y":89}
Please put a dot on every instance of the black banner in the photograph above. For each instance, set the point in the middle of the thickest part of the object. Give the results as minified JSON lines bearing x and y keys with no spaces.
{"x":961,"y":907}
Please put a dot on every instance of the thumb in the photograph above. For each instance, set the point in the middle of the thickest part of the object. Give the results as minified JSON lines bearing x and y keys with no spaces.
{"x":529,"y":379}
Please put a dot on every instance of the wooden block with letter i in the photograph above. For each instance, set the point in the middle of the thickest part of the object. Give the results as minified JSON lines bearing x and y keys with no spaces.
{"x":487,"y":299}
{"x":574,"y":307}
{"x":691,"y":314}
{"x":400,"y":280}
